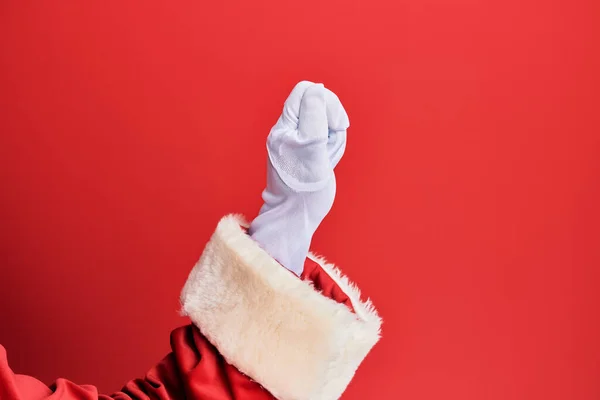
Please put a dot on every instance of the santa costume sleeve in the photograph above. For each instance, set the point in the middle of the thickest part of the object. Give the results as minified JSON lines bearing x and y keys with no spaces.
{"x":258,"y":332}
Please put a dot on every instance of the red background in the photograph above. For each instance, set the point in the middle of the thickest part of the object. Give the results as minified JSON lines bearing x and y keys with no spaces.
{"x":467,"y":201}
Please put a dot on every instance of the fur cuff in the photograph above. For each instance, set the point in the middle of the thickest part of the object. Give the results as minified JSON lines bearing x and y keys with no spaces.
{"x":273,"y":326}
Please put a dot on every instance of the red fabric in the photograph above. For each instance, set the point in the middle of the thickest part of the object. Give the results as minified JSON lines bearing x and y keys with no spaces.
{"x":193,"y":370}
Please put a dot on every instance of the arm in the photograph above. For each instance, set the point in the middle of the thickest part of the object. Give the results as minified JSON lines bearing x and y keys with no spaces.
{"x":258,"y":331}
{"x":193,"y":370}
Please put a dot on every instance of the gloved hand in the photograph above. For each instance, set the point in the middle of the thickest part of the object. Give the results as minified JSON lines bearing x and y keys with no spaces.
{"x":303,"y":148}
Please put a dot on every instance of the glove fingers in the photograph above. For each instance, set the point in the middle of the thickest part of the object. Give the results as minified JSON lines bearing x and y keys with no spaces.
{"x":338,"y":123}
{"x":337,"y":118}
{"x":312,"y":121}
{"x":310,"y":137}
{"x":291,"y":107}
{"x":336,"y":145}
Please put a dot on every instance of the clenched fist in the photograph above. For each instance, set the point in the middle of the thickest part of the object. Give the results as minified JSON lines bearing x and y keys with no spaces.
{"x":303,"y":149}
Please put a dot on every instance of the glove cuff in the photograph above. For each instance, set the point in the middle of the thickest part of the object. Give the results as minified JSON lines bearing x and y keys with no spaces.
{"x":301,"y":339}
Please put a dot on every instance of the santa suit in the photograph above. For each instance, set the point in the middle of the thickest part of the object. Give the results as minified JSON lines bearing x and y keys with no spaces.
{"x":258,"y":332}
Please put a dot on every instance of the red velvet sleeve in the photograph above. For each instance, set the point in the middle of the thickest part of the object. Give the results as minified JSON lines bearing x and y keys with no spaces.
{"x":193,"y":370}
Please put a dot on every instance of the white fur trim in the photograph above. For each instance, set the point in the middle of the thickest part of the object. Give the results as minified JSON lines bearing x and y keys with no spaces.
{"x":272,"y":326}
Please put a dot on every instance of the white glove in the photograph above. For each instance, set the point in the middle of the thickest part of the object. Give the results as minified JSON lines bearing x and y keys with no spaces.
{"x":304,"y":147}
